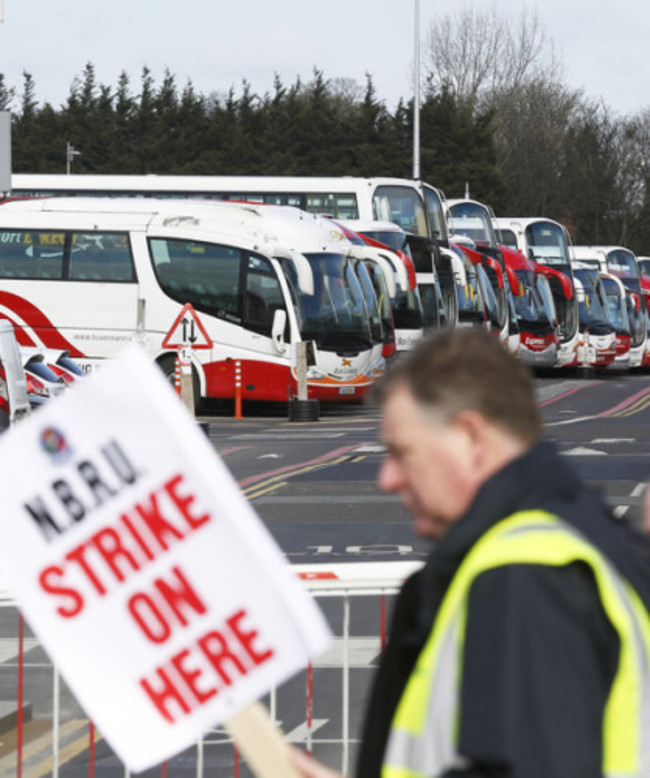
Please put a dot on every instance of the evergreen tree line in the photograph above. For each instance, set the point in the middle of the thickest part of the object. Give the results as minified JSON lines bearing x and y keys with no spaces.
{"x":535,"y":149}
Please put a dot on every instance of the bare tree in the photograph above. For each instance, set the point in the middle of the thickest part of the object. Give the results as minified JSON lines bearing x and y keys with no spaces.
{"x":633,"y":138}
{"x":531,"y":124}
{"x":475,"y":54}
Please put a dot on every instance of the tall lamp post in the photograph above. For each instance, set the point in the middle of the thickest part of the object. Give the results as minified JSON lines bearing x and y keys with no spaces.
{"x":416,"y":95}
{"x":5,"y":138}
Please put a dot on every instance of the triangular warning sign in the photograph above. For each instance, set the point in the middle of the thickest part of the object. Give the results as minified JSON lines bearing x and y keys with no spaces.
{"x":187,"y":331}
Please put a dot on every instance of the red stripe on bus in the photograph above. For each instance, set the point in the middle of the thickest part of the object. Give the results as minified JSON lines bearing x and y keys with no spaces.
{"x":38,"y":321}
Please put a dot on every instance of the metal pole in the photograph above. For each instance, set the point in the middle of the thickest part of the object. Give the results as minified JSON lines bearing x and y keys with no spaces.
{"x":416,"y":95}
{"x":70,"y":154}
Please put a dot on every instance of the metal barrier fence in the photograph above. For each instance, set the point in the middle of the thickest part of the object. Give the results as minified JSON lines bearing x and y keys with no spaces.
{"x":320,"y":709}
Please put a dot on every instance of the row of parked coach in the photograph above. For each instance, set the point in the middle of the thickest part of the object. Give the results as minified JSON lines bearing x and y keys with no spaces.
{"x":552,"y":303}
{"x":253,"y":279}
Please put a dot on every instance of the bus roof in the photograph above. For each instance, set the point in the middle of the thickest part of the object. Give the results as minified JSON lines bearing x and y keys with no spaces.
{"x":275,"y":225}
{"x":366,"y":225}
{"x":198,"y":184}
{"x":604,"y":250}
{"x":523,"y":221}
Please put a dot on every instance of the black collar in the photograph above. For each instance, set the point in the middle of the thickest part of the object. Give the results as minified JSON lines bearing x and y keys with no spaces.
{"x":539,"y":477}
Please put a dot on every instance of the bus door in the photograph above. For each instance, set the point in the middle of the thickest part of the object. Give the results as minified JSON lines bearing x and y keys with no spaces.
{"x":448,"y":286}
{"x":493,"y":270}
{"x":472,"y":307}
{"x":424,"y":253}
{"x":76,"y":290}
{"x":382,"y":278}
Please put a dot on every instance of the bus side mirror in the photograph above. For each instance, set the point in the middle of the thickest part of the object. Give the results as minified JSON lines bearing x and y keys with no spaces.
{"x":277,"y":330}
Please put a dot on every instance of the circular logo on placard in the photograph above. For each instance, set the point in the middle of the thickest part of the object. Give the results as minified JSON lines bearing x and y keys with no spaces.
{"x":54,"y":444}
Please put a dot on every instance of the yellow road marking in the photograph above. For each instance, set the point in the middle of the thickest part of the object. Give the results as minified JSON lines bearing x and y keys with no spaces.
{"x":37,"y":756}
{"x":636,"y":407}
{"x":66,"y":754}
{"x":254,"y":488}
{"x":259,"y":493}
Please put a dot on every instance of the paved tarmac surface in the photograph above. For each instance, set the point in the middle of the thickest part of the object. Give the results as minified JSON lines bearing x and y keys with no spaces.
{"x":313,"y":485}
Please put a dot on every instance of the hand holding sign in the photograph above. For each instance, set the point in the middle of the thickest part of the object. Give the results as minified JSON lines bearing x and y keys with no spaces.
{"x":141,"y":567}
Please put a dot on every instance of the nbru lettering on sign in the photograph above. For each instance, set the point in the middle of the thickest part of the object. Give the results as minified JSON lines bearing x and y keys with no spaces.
{"x":88,"y":485}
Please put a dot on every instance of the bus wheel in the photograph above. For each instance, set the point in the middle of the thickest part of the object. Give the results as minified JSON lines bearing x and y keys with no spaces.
{"x":168,"y":366}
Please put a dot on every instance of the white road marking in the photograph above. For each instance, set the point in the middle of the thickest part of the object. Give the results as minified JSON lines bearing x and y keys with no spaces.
{"x":274,"y":435}
{"x":581,"y":451}
{"x":569,"y":421}
{"x":361,"y":652}
{"x":613,"y":440}
{"x":638,"y":490}
{"x":620,"y":511}
{"x":302,"y":733}
{"x":9,"y":647}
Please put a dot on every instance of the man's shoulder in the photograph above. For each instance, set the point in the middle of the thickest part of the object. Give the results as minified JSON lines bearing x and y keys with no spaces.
{"x":548,"y":604}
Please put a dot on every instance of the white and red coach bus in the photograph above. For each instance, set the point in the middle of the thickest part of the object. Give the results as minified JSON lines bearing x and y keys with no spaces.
{"x":92,"y":274}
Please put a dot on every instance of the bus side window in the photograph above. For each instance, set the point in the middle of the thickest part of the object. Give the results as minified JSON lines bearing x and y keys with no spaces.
{"x":12,"y":253}
{"x":101,"y":257}
{"x":203,"y":274}
{"x":31,"y":255}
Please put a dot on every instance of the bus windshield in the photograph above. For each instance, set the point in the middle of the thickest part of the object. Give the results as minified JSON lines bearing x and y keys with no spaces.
{"x":401,"y":205}
{"x":335,"y":316}
{"x":468,"y":291}
{"x":637,"y":319}
{"x":436,"y":216}
{"x":544,"y":290}
{"x":547,"y":245}
{"x":616,"y":307}
{"x":530,"y":306}
{"x":370,"y":300}
{"x":591,"y":297}
{"x":473,"y":221}
{"x":507,"y":238}
{"x":394,"y":239}
{"x":622,"y":263}
{"x":383,"y":297}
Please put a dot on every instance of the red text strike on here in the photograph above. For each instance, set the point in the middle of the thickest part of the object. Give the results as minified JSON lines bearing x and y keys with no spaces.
{"x":214,"y":662}
{"x":115,"y":552}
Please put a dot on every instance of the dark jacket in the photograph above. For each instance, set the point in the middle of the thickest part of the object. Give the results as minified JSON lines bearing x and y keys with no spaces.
{"x":540,"y":654}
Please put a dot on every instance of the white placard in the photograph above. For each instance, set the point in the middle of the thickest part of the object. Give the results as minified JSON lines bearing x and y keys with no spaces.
{"x":140,"y":566}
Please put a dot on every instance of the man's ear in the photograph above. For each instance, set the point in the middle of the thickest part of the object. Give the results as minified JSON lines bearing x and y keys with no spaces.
{"x":489,"y":447}
{"x":477,"y":433}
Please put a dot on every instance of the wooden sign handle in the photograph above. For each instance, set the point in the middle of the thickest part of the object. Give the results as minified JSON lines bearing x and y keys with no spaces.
{"x":261,"y":742}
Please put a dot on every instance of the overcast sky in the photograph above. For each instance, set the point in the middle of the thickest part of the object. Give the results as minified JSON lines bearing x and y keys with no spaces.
{"x":218,"y":43}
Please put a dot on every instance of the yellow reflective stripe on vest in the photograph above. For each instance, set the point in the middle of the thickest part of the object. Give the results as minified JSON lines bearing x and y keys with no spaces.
{"x":423,"y":737}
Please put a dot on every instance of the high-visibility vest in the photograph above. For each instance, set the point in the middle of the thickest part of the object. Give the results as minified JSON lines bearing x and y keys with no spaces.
{"x":423,"y":739}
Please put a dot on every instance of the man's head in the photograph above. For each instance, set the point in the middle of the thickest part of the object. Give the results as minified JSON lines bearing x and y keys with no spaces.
{"x":455,"y":411}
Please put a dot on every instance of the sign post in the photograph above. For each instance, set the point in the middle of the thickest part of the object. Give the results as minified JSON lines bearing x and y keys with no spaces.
{"x":145,"y":573}
{"x":186,"y":333}
{"x":187,"y":384}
